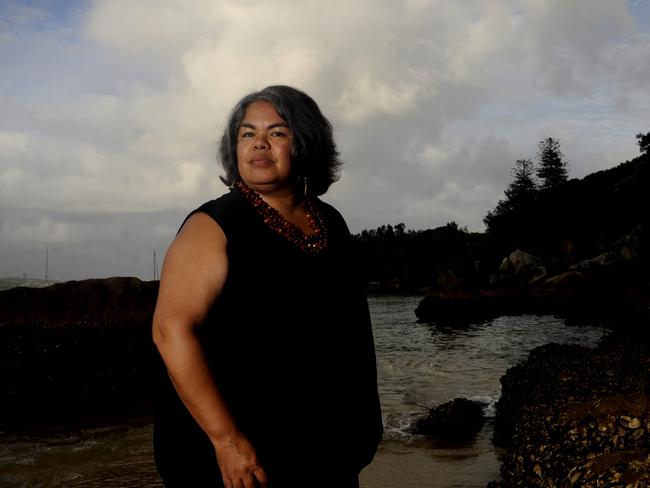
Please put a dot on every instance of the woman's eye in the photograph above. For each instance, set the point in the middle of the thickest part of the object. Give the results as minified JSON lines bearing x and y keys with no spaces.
{"x":278,"y":134}
{"x":247,"y":134}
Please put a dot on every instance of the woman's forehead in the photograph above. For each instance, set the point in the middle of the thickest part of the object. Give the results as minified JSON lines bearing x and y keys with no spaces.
{"x":261,"y":112}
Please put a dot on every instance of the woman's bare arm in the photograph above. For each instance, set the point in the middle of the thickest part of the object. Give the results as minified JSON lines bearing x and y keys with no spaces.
{"x":193,"y":275}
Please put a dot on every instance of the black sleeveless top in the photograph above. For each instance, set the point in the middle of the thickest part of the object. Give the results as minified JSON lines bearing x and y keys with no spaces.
{"x":289,"y":341}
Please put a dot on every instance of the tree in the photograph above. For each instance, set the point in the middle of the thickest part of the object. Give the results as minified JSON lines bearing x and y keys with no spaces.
{"x":521,"y":190}
{"x":518,"y":196}
{"x":644,"y":142}
{"x":523,"y":187}
{"x":552,"y":169}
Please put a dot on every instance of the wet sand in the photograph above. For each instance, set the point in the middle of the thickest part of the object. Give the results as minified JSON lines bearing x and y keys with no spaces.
{"x":120,"y":456}
{"x":423,"y":464}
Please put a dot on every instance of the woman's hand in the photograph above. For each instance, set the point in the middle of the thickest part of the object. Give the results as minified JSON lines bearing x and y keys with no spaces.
{"x":238,"y":463}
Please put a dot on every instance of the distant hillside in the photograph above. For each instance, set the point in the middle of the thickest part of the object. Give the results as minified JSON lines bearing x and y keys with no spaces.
{"x":573,"y":222}
{"x":582,"y":217}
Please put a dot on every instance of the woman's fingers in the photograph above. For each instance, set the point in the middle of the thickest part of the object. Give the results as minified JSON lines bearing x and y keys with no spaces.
{"x":260,"y":475}
{"x":239,"y":465}
{"x":256,"y":480}
{"x":249,"y":482}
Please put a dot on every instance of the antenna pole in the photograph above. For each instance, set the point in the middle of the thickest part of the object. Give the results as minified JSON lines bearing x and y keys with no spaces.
{"x":156,"y":275}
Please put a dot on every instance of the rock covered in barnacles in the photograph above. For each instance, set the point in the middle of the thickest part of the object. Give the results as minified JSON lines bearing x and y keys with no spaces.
{"x":567,"y":414}
{"x":627,"y":468}
{"x":605,"y":425}
{"x":602,"y":442}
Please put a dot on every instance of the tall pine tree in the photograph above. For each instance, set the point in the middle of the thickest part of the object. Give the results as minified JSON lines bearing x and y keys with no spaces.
{"x":552,"y":166}
{"x":523,"y":186}
{"x":519,"y":194}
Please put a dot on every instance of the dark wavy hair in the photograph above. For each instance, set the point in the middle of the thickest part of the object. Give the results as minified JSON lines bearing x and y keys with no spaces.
{"x":314,"y":156}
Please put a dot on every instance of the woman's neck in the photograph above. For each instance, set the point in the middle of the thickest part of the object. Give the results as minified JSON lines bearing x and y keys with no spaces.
{"x":284,"y":200}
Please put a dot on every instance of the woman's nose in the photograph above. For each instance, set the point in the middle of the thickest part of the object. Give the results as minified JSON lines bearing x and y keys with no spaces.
{"x":261,"y":143}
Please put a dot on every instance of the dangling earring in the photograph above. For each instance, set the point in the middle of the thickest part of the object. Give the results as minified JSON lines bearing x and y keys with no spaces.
{"x":304,"y":180}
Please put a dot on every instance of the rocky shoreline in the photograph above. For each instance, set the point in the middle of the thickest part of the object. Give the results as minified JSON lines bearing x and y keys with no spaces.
{"x":75,"y":350}
{"x":568,"y":415}
{"x":610,"y":285}
{"x":571,"y":416}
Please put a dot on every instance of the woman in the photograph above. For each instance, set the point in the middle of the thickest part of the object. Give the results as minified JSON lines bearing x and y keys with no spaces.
{"x":261,"y":322}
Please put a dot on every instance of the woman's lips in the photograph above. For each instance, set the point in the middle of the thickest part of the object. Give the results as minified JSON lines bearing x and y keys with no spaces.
{"x":262,"y":162}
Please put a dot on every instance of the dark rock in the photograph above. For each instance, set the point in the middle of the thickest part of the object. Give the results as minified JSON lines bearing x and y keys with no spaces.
{"x":121,"y":300}
{"x":614,"y":283}
{"x":519,"y":269}
{"x":76,"y":349}
{"x":573,"y":416}
{"x":570,"y":279}
{"x":565,"y":295}
{"x":458,"y":420}
{"x":625,"y":468}
{"x":626,"y":250}
{"x":452,"y":304}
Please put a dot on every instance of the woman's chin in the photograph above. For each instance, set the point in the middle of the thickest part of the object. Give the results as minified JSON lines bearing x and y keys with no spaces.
{"x":269,"y":185}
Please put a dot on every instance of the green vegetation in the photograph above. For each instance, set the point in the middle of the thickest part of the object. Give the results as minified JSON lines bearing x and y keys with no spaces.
{"x":551,"y":169}
{"x":395,"y":258}
{"x":532,"y":181}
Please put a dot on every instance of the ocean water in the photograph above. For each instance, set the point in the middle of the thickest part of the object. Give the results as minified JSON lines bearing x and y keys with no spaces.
{"x":419,"y":366}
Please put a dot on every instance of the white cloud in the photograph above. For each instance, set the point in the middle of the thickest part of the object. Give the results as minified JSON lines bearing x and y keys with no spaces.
{"x":164,"y":30}
{"x":118,"y":108}
{"x":44,"y":230}
{"x":365,"y":97}
{"x":13,"y":144}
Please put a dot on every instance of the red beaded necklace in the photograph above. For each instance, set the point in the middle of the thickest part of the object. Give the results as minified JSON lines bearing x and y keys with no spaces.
{"x":309,"y":244}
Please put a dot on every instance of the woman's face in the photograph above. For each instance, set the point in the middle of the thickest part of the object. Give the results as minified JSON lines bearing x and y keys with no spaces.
{"x":264,"y":143}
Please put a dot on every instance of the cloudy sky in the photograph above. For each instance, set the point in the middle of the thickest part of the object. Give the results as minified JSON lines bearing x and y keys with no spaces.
{"x":110,"y":109}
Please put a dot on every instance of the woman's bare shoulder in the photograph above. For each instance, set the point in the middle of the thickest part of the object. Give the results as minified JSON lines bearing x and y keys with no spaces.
{"x":194,"y":270}
{"x":200,"y":227}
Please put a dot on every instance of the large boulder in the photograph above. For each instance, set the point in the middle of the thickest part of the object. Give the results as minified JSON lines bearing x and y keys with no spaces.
{"x":457,"y":420}
{"x":599,"y":442}
{"x":623,"y":468}
{"x":76,"y":349}
{"x":519,"y":269}
{"x":573,"y":416}
{"x":123,"y":300}
{"x":615,"y":266}
{"x":451,"y":306}
{"x":568,"y":280}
